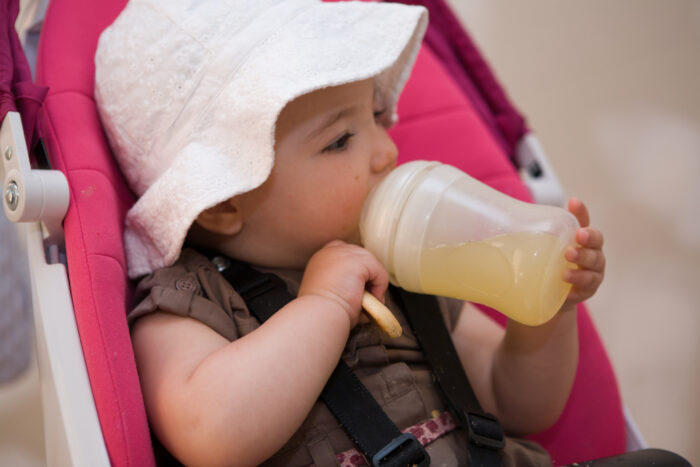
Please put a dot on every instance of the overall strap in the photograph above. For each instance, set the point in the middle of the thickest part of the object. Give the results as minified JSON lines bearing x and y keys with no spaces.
{"x":485,"y":434}
{"x":346,"y":397}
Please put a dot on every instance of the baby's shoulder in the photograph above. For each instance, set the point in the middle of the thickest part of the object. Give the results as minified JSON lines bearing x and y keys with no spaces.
{"x":192,"y":288}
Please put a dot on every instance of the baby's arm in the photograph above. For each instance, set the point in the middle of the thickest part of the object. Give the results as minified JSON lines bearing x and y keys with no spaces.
{"x":211,"y":401}
{"x":524,"y":374}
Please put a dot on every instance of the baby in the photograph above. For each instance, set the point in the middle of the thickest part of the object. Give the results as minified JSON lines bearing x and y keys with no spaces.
{"x":256,"y":129}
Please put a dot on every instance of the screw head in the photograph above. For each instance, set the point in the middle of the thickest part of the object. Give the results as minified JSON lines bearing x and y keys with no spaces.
{"x":8,"y":153}
{"x":12,"y":195}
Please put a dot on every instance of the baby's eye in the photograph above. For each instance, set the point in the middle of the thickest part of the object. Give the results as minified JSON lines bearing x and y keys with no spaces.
{"x":339,"y":144}
{"x":379,"y":113}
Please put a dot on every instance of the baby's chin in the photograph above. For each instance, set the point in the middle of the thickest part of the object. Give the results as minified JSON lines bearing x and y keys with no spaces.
{"x":355,"y":240}
{"x":354,"y":237}
{"x":301,"y":256}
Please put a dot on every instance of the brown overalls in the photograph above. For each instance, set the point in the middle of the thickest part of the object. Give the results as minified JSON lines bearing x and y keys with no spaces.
{"x":393,"y":370}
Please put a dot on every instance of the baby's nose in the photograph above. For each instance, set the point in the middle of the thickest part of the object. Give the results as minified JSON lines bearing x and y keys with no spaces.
{"x":385,"y":154}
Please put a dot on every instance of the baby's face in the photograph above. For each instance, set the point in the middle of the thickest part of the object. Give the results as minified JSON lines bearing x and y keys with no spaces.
{"x":330,"y":152}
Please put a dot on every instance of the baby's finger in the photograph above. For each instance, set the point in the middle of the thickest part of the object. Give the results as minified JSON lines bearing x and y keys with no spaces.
{"x":577,"y":297}
{"x":586,"y":258}
{"x":377,"y":277}
{"x":578,"y":209}
{"x":378,"y":285}
{"x":584,"y":281}
{"x":590,"y":238}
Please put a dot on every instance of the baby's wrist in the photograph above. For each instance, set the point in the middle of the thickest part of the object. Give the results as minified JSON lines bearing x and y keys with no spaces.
{"x":330,"y":305}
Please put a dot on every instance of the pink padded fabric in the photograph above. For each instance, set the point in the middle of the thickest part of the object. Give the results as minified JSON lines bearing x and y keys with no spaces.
{"x":438,"y":122}
{"x":431,"y":105}
{"x":93,"y":224}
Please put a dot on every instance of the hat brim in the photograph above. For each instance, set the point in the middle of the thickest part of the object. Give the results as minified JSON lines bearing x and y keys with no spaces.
{"x":326,"y":44}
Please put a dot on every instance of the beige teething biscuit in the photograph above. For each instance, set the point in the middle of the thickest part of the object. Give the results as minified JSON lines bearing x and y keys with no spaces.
{"x":381,"y":314}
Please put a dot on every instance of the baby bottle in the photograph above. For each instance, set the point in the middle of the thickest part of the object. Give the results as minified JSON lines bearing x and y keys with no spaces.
{"x":439,"y":231}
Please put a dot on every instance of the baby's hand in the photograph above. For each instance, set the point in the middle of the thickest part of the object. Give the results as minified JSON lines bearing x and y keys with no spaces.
{"x":588,"y":256}
{"x":341,"y":272}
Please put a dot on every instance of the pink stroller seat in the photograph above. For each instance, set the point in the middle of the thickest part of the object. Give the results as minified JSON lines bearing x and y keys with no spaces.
{"x":438,"y":120}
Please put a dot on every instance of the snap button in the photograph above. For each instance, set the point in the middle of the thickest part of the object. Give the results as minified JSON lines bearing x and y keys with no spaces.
{"x":186,"y":285}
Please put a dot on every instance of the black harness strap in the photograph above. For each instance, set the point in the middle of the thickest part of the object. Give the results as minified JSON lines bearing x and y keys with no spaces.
{"x":345,"y":396}
{"x":485,"y":434}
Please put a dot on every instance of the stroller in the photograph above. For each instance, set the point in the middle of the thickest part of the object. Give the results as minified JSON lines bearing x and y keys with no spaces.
{"x":93,"y":409}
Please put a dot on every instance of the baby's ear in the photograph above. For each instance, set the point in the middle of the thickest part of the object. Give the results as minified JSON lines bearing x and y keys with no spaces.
{"x":224,"y":219}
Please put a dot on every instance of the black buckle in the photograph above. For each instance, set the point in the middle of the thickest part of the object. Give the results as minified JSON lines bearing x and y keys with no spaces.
{"x":402,"y":451}
{"x":485,"y":431}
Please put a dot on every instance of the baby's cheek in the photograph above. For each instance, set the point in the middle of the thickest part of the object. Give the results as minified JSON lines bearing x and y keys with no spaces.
{"x":338,"y":205}
{"x":348,"y":212}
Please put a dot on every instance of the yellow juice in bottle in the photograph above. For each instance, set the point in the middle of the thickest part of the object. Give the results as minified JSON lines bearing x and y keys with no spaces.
{"x":519,"y":274}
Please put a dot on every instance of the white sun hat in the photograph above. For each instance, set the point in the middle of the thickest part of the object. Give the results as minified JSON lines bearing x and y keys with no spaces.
{"x":189,"y":92}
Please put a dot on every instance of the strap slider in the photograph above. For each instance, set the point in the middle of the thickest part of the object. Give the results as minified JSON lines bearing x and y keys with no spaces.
{"x":405,"y":450}
{"x":248,"y":283}
{"x":485,"y":431}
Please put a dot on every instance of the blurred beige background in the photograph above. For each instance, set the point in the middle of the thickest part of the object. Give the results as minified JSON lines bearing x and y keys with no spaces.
{"x":613,"y":91}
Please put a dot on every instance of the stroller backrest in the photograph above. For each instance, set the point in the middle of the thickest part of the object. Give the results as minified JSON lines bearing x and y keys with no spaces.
{"x":438,"y":120}
{"x":93,"y":223}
